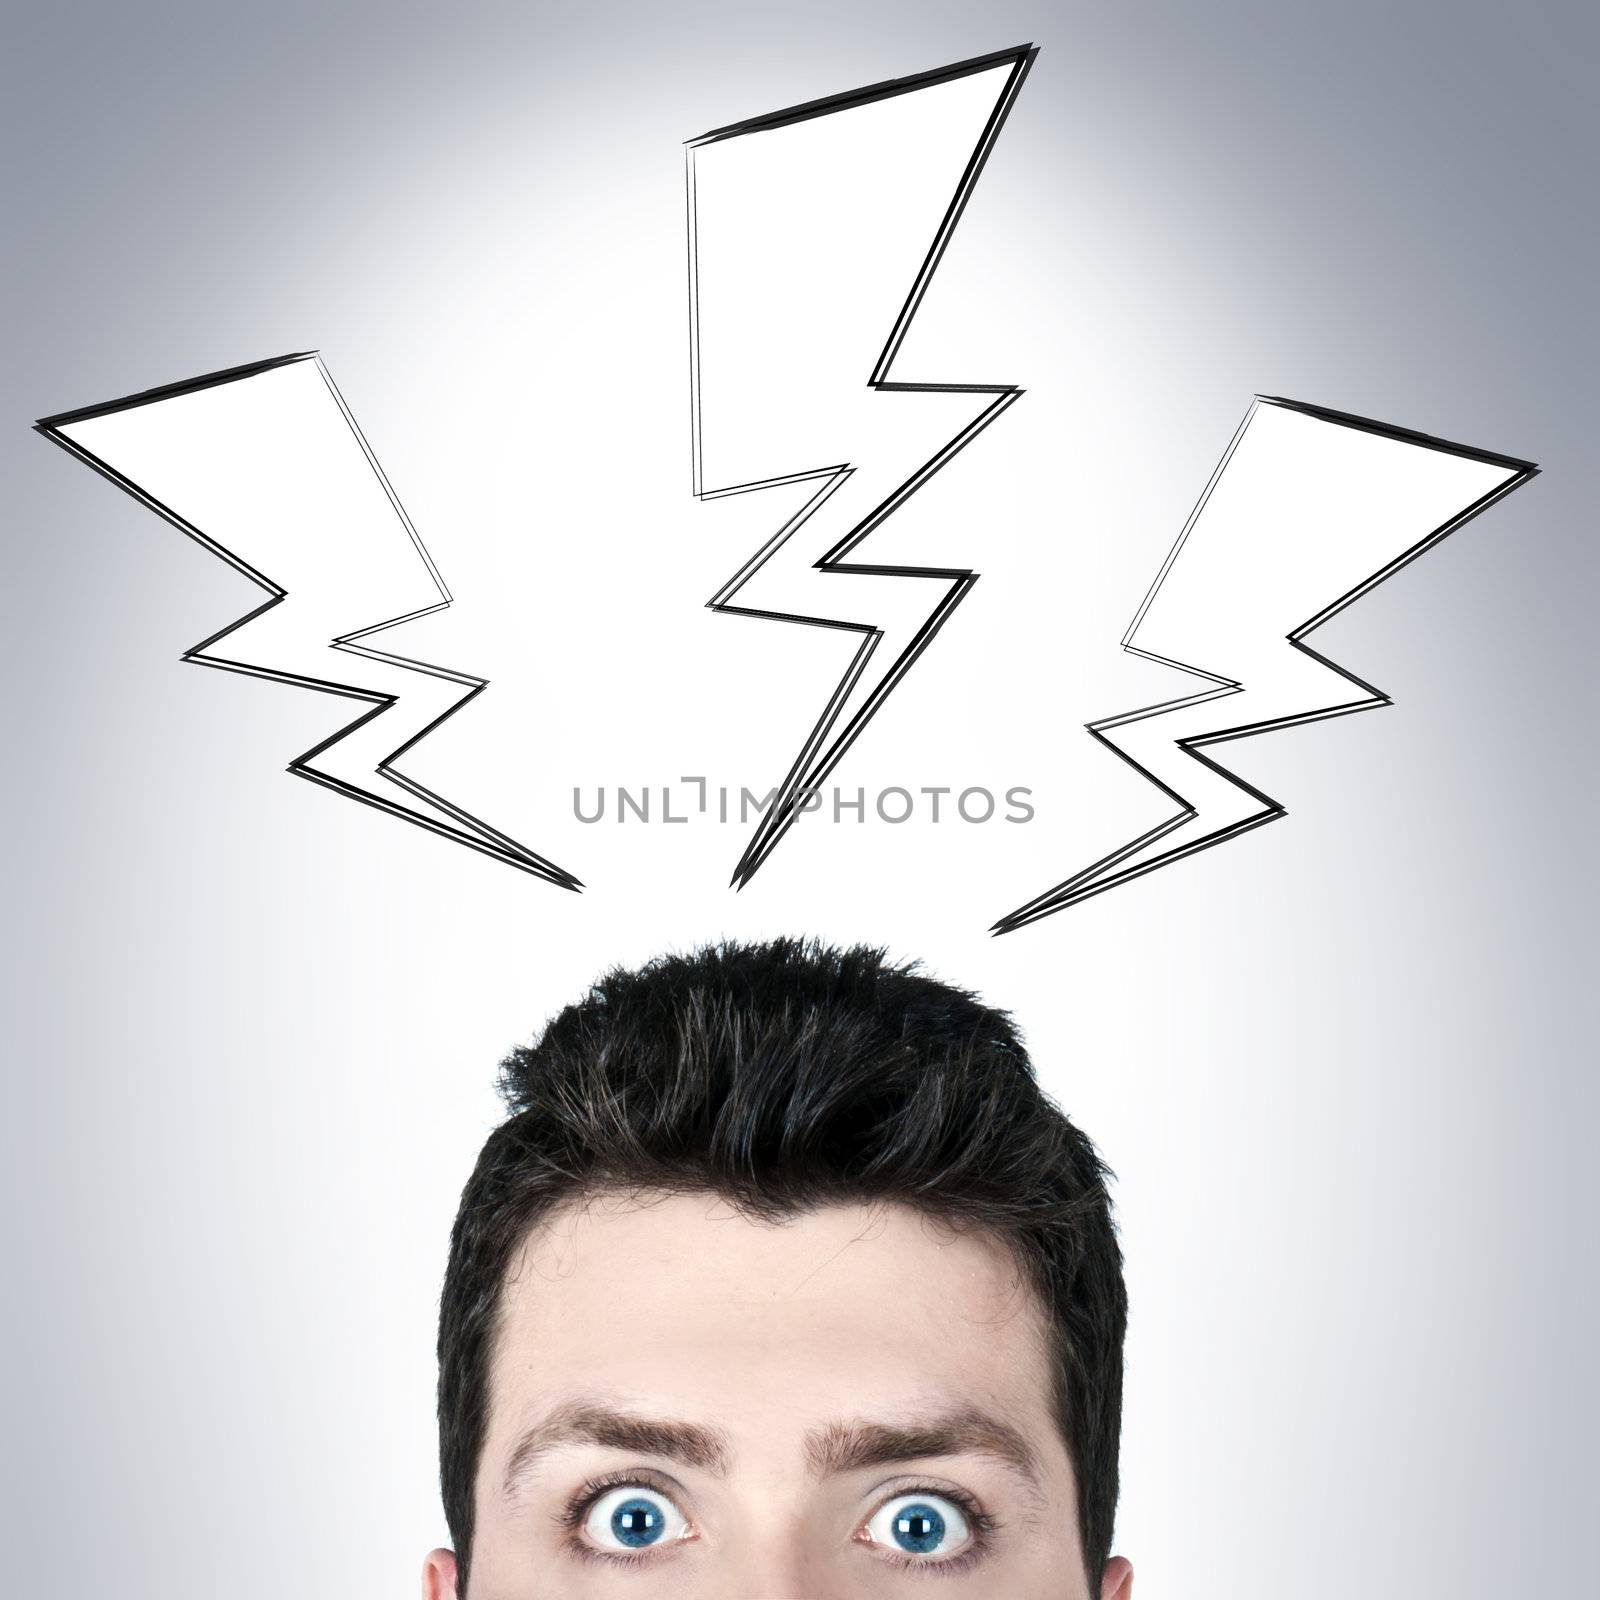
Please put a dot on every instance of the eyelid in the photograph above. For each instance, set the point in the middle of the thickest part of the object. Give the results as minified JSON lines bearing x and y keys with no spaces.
{"x":596,"y":1488}
{"x":965,"y":1499}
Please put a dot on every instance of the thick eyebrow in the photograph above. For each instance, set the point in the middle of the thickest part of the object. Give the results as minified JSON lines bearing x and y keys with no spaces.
{"x":588,"y":1422}
{"x":853,"y":1446}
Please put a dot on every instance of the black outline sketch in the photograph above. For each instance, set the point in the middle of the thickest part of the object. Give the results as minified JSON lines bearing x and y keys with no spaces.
{"x":1099,"y":877}
{"x":472,"y":831}
{"x":811,"y":769}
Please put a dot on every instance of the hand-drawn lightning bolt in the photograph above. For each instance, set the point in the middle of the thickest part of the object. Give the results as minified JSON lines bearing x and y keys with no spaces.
{"x":1308,"y":511}
{"x":800,"y":224}
{"x":265,"y":467}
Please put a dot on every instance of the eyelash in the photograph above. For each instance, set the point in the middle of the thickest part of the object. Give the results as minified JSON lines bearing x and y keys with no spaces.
{"x":983,"y":1524}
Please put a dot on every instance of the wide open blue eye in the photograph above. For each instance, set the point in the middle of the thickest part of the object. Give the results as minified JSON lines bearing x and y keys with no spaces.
{"x":633,"y":1518}
{"x":920,"y":1525}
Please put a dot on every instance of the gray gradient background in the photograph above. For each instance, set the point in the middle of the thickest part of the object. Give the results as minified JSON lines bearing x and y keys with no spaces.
{"x":1350,"y":1097}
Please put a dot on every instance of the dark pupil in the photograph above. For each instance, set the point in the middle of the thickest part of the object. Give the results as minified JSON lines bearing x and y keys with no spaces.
{"x":637,"y":1522}
{"x":919,"y":1528}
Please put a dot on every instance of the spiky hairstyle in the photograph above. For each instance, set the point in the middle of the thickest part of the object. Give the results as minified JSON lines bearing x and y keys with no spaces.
{"x":782,"y":1076}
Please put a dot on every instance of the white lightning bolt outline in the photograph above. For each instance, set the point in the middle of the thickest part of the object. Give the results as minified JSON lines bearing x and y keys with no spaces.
{"x":1124,"y":864}
{"x":819,"y":755}
{"x":465,"y":828}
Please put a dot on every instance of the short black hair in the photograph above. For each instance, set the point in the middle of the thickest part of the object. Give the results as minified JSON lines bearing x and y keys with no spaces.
{"x":784,"y":1075}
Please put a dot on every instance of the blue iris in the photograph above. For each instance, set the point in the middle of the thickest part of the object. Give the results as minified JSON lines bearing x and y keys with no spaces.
{"x":919,"y":1528}
{"x":638,"y":1522}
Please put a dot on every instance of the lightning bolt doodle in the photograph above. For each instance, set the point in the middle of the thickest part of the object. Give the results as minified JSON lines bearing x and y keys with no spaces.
{"x":264,"y":466}
{"x":877,"y":178}
{"x":1307,"y":504}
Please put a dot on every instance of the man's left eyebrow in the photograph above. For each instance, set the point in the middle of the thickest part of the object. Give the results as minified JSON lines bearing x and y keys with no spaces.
{"x":854,"y":1445}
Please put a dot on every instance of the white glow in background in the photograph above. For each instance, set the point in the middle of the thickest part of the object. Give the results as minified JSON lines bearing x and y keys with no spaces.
{"x":1337,"y":1065}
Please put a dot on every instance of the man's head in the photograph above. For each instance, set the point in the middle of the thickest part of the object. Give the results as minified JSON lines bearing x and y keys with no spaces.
{"x":783,"y":1281}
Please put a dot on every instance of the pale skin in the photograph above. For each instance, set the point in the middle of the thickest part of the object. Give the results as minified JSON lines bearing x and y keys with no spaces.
{"x":849,"y":1405}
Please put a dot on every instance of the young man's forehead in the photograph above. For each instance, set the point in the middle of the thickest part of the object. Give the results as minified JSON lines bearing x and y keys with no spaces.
{"x":864,"y":1311}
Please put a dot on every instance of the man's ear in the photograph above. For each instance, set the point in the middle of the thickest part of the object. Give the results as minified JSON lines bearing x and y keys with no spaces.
{"x":1115,"y":1584}
{"x":439,"y":1576}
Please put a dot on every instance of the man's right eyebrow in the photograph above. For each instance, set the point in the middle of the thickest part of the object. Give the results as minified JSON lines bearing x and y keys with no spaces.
{"x":589,"y":1422}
